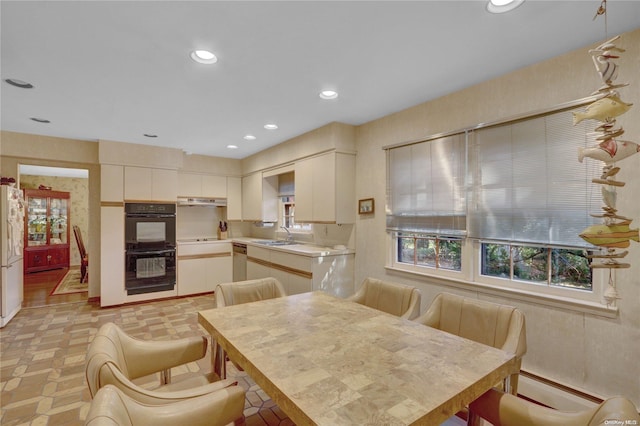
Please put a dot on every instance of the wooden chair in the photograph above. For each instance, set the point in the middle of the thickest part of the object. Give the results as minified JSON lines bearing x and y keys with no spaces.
{"x":84,"y":256}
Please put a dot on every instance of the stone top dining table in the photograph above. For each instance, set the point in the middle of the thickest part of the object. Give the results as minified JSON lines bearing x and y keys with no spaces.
{"x":329,"y":361}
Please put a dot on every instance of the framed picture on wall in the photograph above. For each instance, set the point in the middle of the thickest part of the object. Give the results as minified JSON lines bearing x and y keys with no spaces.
{"x":366,"y":206}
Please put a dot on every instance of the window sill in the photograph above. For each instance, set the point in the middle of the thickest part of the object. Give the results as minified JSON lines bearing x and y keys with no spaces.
{"x":553,"y":301}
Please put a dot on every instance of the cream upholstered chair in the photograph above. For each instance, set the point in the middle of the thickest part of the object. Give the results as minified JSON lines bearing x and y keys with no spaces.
{"x":502,"y":409}
{"x":237,"y":293}
{"x":248,"y":291}
{"x":111,"y":407}
{"x":396,"y":299}
{"x":500,"y":326}
{"x":116,"y":358}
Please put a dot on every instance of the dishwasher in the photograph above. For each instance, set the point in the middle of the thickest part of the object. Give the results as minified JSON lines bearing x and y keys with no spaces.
{"x":239,"y":262}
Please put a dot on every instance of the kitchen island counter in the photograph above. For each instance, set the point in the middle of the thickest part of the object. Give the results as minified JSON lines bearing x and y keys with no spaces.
{"x":304,"y":249}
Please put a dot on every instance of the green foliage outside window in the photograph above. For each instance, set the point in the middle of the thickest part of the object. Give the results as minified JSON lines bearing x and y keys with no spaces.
{"x":554,"y":266}
{"x":430,"y":251}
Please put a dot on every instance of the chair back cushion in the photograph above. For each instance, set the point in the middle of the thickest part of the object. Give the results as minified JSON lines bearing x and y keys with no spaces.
{"x":492,"y":324}
{"x":395,"y":299}
{"x":501,"y":409}
{"x":105,"y":347}
{"x":239,"y":292}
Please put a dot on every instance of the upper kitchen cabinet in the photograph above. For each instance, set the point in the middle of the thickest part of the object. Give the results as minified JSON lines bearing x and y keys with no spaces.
{"x":234,"y":198}
{"x":149,"y":184}
{"x":325,"y":189}
{"x":260,"y":198}
{"x":112,"y":183}
{"x":200,"y":185}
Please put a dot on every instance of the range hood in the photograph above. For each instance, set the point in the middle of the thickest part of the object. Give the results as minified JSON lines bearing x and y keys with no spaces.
{"x":200,"y":201}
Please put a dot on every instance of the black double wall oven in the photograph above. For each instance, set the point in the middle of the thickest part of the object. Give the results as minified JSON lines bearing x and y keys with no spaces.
{"x":150,"y":247}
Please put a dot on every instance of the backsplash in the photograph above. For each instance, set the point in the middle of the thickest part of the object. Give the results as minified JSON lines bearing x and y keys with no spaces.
{"x":198,"y":222}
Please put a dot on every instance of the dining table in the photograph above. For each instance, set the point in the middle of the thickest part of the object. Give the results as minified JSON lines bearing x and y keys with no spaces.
{"x":329,"y":361}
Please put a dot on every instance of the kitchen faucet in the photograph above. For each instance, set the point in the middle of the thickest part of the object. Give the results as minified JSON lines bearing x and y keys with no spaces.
{"x":289,"y":236}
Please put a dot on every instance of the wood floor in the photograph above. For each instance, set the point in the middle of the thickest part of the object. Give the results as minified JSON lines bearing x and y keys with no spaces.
{"x":39,"y":285}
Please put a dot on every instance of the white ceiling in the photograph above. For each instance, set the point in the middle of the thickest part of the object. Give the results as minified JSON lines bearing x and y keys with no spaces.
{"x":115,"y":70}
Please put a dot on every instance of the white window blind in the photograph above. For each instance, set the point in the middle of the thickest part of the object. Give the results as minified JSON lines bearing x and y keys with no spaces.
{"x":527,"y":184}
{"x":427,"y":186}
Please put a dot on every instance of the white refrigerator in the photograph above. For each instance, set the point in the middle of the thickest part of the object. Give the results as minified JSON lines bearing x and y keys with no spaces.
{"x":12,"y":211}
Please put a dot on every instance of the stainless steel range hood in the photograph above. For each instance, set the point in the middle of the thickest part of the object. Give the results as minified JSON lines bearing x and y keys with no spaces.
{"x":204,"y":202}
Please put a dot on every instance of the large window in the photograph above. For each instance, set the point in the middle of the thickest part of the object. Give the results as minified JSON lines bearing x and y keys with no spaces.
{"x":501,"y":204}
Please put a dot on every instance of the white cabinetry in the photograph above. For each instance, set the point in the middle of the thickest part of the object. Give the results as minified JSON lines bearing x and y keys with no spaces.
{"x":301,"y":273}
{"x":260,"y":198}
{"x":293,"y":271}
{"x":234,"y":198}
{"x":111,"y":183}
{"x":112,"y":290}
{"x":149,"y":184}
{"x":203,"y":266}
{"x":325,"y":189}
{"x":198,"y":185}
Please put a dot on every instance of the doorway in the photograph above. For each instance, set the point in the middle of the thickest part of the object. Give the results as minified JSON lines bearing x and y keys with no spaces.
{"x":47,"y":283}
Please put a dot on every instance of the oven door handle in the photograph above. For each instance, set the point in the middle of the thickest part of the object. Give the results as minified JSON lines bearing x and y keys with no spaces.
{"x":169,"y":215}
{"x":153,"y":252}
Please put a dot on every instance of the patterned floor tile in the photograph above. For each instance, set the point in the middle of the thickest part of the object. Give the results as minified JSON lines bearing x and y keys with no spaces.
{"x":43,"y":356}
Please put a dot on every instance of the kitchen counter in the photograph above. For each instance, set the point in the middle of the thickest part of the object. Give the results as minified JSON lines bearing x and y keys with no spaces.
{"x":304,"y":249}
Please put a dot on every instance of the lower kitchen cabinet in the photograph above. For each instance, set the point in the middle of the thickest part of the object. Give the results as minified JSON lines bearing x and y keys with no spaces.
{"x":301,"y":273}
{"x":202,"y":266}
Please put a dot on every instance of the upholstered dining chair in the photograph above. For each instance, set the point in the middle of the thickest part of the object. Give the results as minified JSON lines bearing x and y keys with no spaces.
{"x":116,"y":358}
{"x":503,"y":409}
{"x":111,"y":407}
{"x":239,"y":292}
{"x":492,"y":324}
{"x":84,"y":256}
{"x":396,"y":299}
{"x":236,"y":293}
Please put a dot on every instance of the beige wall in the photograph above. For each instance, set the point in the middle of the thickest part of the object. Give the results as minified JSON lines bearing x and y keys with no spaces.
{"x":20,"y":148}
{"x":585,"y":351}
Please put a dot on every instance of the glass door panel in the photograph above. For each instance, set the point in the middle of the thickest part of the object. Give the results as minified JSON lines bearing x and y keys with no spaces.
{"x":58,"y":221}
{"x":37,"y":222}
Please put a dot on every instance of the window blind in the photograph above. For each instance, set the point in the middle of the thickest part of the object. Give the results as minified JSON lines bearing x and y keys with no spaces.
{"x":526,"y":184}
{"x":427,"y":186}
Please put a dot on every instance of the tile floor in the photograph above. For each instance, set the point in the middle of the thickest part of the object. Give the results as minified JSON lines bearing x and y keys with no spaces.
{"x":42,"y":356}
{"x":43,"y":353}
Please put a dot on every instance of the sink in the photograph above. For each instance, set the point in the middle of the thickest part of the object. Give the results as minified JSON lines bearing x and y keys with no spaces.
{"x":276,"y":242}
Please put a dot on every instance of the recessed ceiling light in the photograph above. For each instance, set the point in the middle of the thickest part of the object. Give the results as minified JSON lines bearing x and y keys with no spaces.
{"x":149,"y":135}
{"x":502,"y":6}
{"x":40,"y":120}
{"x":328,"y":94}
{"x":232,"y":146}
{"x":270,"y":126}
{"x":19,"y":83}
{"x":249,"y":137}
{"x":204,"y":57}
